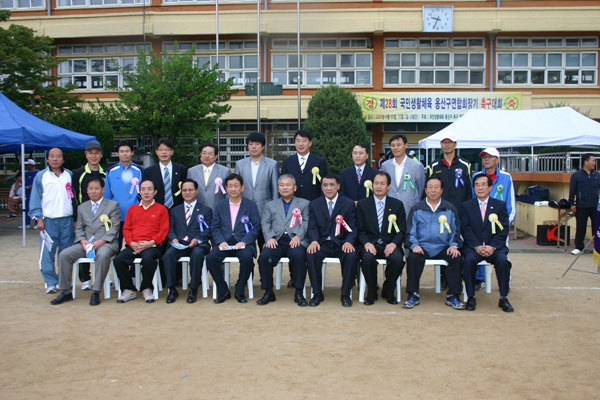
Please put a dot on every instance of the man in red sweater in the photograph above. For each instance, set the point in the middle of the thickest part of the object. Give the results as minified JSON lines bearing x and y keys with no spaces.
{"x":146,"y":225}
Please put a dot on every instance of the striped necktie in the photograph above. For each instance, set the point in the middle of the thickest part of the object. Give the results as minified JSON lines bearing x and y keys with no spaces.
{"x":188,"y":213}
{"x":379,"y":213}
{"x":94,"y":208}
{"x":168,"y":193}
{"x":359,"y":174}
{"x":302,"y":163}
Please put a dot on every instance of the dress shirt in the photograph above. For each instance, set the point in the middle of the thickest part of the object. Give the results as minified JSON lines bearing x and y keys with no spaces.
{"x":434,"y":209}
{"x":286,"y":205}
{"x":254,"y":166}
{"x":234,"y":209}
{"x":305,"y":159}
{"x":334,"y":200}
{"x":362,"y":171}
{"x":399,"y":170}
{"x":209,"y":169}
{"x":169,"y":166}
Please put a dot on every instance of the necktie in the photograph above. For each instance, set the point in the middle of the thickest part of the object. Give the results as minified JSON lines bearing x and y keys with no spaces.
{"x":168,"y":193}
{"x":302,"y":163}
{"x":206,"y":175}
{"x":359,"y":175}
{"x":94,"y":208}
{"x":188,"y":213}
{"x":330,"y":207}
{"x":483,"y":210}
{"x":380,"y":213}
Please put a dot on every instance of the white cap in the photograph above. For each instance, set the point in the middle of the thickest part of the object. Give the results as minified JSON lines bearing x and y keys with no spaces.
{"x":492,"y":151}
{"x":411,"y":153}
{"x":30,"y":162}
{"x":448,"y":135}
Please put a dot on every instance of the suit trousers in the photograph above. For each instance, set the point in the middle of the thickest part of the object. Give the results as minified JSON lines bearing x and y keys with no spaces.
{"x":149,"y":262}
{"x":215,"y":258}
{"x":270,"y":257}
{"x":314,"y":264}
{"x":69,"y":255}
{"x":395,"y":264}
{"x":416,"y":262}
{"x":196,"y":254}
{"x":581,"y":217}
{"x":501,"y":265}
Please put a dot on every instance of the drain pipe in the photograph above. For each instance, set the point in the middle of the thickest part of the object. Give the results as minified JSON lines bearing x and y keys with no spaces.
{"x":492,"y":37}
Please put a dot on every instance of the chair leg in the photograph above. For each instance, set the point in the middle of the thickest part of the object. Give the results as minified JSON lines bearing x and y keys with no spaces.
{"x":250,"y":286}
{"x":361,"y":288}
{"x":488,"y":278}
{"x":157,"y":283}
{"x":138,"y":275}
{"x":438,"y":283}
{"x":116,"y":279}
{"x":107,"y":286}
{"x":74,"y":279}
{"x":278,"y":273}
{"x":399,"y":289}
{"x":184,"y":275}
{"x":205,"y":281}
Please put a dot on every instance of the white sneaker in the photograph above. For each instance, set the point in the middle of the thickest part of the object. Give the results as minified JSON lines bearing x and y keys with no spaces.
{"x":148,"y":295}
{"x":21,"y":227}
{"x":576,"y":252}
{"x":51,"y":289}
{"x":126,"y":295}
{"x":87,"y":285}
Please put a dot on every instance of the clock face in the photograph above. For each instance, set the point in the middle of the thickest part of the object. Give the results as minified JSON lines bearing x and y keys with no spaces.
{"x":437,"y":18}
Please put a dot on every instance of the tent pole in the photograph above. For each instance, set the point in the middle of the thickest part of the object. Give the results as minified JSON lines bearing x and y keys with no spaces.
{"x":23,"y":196}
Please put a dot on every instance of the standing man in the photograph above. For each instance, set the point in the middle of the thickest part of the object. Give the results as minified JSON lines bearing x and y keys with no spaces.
{"x":30,"y":174}
{"x":381,"y":228}
{"x":284,"y":226}
{"x":332,"y":233}
{"x":433,"y":233}
{"x":484,"y":223}
{"x":235,"y":227}
{"x":408,"y":176}
{"x":146,"y":227}
{"x":98,"y":221}
{"x":166,"y":175}
{"x":354,"y":178}
{"x":583,"y":196}
{"x":52,"y":202}
{"x":306,"y":168}
{"x":189,"y":227}
{"x":210,"y":176}
{"x":123,"y":182}
{"x":260,"y":174}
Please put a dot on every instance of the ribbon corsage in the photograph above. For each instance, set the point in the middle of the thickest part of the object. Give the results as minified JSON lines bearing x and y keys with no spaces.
{"x":458,"y":178}
{"x":315,"y":172}
{"x":392,"y":222}
{"x":444,"y":223}
{"x":407,"y":181}
{"x":499,"y":190}
{"x":135,"y":185}
{"x":369,"y":186}
{"x":106,"y":221}
{"x":202,"y":222}
{"x":296,"y":216}
{"x":177,"y":193}
{"x":219,"y":185}
{"x":339,"y":222}
{"x":246,"y":221}
{"x":69,"y":190}
{"x":494,"y":220}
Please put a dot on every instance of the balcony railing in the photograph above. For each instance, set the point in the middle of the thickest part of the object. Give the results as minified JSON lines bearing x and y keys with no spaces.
{"x":543,"y":163}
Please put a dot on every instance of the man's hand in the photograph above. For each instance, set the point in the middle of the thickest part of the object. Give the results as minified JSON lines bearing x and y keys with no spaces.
{"x":98,"y":243}
{"x":418,"y":250}
{"x":347,"y":247}
{"x":175,"y":241}
{"x":370,"y":248}
{"x":295,"y":242}
{"x":84,"y":243}
{"x":313,"y":248}
{"x":453,"y":251}
{"x":40,"y":224}
{"x":389,"y":249}
{"x":193,"y":243}
{"x":271,"y":243}
{"x":223,"y":246}
{"x":240,"y":245}
{"x":573,"y":209}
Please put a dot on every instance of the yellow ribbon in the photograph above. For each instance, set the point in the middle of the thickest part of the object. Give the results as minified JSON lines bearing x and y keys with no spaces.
{"x":105,"y":220}
{"x":315,"y":172}
{"x":444,"y":223}
{"x":369,"y":186}
{"x":392,"y":222}
{"x":494,"y":220}
{"x":177,"y":193}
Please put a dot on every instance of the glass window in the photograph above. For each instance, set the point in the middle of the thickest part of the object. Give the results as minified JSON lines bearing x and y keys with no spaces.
{"x":279,"y":61}
{"x":476,"y":59}
{"x":250,"y":61}
{"x":555,"y":60}
{"x":408,"y":43}
{"x":520,"y":77}
{"x":537,"y":77}
{"x":391,"y":43}
{"x":347,"y":60}
{"x":572,"y":60}
{"x":521,"y":59}
{"x":236,"y":62}
{"x":476,"y":77}
{"x":538,"y":42}
{"x":391,"y":77}
{"x":409,"y":60}
{"x":554,"y":76}
{"x":588,"y":59}
{"x":313,"y":61}
{"x":442,"y":77}
{"x":426,"y":77}
{"x":442,"y":59}
{"x":461,"y":77}
{"x":505,"y":60}
{"x":409,"y":76}
{"x":329,"y":61}
{"x":461,"y":59}
{"x":426,"y":60}
{"x":363,"y":60}
{"x":538,"y":60}
{"x":588,"y":77}
{"x":392,"y":60}
{"x":572,"y":77}
{"x":329,"y":77}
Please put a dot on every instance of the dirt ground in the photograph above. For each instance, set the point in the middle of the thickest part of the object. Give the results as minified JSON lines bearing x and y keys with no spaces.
{"x":548,"y":348}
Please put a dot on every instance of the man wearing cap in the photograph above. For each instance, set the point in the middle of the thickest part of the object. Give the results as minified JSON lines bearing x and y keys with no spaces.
{"x":30,"y":174}
{"x":413,"y":155}
{"x":583,"y":197}
{"x":356,"y":181}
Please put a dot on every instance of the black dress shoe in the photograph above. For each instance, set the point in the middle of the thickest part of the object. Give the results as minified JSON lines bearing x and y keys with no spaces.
{"x":300,"y":299}
{"x":392,"y":301}
{"x":221,"y":299}
{"x":505,"y":305}
{"x":346,"y":301}
{"x":266,"y":299}
{"x":369,"y":302}
{"x":172,"y":296}
{"x":61,"y":298}
{"x":192,"y":296}
{"x":241,"y":298}
{"x":95,"y":299}
{"x":290,"y":284}
{"x":316,"y":299}
{"x":471,"y":304}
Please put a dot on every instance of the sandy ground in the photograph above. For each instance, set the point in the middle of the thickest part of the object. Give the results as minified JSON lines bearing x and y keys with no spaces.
{"x":548,"y":348}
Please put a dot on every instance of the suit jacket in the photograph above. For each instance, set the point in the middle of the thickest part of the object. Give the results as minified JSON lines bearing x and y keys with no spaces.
{"x":305,"y":188}
{"x":89,"y":225}
{"x":368,"y":225}
{"x":221,"y":223}
{"x":179,"y":228}
{"x":275,"y":222}
{"x":349,"y":185}
{"x":206,"y":193}
{"x":265,"y":187}
{"x":410,"y":196}
{"x":321,"y":225}
{"x":476,"y":232}
{"x":154,"y":173}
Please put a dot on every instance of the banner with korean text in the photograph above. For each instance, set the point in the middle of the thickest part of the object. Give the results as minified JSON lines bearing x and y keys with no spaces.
{"x":432,"y":107}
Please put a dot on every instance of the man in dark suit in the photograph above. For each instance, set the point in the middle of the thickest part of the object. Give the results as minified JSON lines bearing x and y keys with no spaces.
{"x":354,"y":178}
{"x":166,"y":175}
{"x":485,"y":225}
{"x":381,"y":227}
{"x":235,"y":227}
{"x":188,"y":227}
{"x":332,"y":232}
{"x":284,"y":226}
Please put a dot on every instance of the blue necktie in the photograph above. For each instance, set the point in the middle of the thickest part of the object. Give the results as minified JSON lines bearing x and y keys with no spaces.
{"x":168,"y":193}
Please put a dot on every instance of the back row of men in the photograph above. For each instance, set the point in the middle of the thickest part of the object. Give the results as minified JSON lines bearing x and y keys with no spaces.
{"x":364,"y":207}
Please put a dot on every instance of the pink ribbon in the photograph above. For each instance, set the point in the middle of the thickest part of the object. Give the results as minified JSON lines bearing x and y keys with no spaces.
{"x":69,"y":190}
{"x":135,"y":184}
{"x":219,"y":185}
{"x":297,"y":216}
{"x":339,"y":221}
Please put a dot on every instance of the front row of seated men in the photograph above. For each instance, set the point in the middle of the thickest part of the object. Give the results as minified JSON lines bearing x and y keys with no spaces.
{"x":305,"y":232}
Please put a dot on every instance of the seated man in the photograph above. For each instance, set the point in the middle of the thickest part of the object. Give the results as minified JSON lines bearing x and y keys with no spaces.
{"x":332,"y":232}
{"x":235,"y":228}
{"x":381,"y":227}
{"x":484,"y":222}
{"x":284,"y":226}
{"x":433,"y":229}
{"x":14,"y":197}
{"x":98,"y":221}
{"x":146,"y":225}
{"x":189,"y":227}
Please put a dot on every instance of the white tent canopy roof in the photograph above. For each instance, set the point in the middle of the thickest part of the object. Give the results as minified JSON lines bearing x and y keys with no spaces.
{"x":561,"y":126}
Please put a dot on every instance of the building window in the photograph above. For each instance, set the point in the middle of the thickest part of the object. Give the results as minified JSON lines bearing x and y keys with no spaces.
{"x":21,"y":4}
{"x":206,"y":1}
{"x":96,"y":3}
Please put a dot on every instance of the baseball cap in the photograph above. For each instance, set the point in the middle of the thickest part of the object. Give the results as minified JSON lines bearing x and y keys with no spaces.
{"x":30,"y":162}
{"x":94,"y":144}
{"x":448,"y":135}
{"x":411,"y":153}
{"x":492,"y":151}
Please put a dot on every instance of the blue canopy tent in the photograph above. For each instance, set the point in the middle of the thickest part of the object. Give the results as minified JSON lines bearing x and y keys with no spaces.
{"x":20,"y":130}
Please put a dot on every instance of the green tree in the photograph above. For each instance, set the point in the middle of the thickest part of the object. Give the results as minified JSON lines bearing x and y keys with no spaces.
{"x":337,"y":124}
{"x":25,"y":60}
